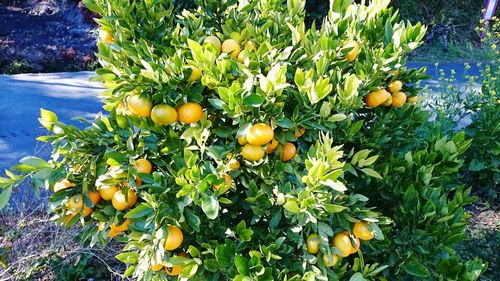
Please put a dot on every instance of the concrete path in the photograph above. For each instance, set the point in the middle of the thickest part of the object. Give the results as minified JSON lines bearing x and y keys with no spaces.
{"x":21,"y":96}
{"x":71,"y":94}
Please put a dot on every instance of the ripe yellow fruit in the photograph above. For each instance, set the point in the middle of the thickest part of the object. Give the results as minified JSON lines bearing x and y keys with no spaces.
{"x":412,"y":100}
{"x":398,"y":99}
{"x":190,"y":113}
{"x":75,"y":203}
{"x":271,"y":147}
{"x":139,"y":106}
{"x":95,"y":197}
{"x":143,"y":166}
{"x":214,"y":41}
{"x":355,"y":246}
{"x":195,"y":73}
{"x":156,"y":267}
{"x":242,"y":140}
{"x":377,"y":98}
{"x":330,"y":261}
{"x":395,"y":86}
{"x":241,"y":57}
{"x":233,"y":164}
{"x":260,"y":134}
{"x":121,"y":202}
{"x":252,"y":152}
{"x":353,"y":53}
{"x":342,"y":242}
{"x":288,"y":152}
{"x":249,"y":46}
{"x":163,"y":114}
{"x":312,"y":243}
{"x":362,"y":231}
{"x":63,"y":184}
{"x":232,"y":47}
{"x":388,"y":102}
{"x":107,"y":193}
{"x":106,"y":37}
{"x":174,"y":238}
{"x":113,"y":232}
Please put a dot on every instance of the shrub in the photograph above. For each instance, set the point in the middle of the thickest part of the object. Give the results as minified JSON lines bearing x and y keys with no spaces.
{"x":241,"y":145}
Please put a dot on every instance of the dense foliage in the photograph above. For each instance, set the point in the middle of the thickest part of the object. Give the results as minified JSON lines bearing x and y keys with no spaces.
{"x":242,"y":145}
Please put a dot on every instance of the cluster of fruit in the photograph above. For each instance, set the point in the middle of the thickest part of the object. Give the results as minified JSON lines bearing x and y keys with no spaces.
{"x":345,"y":243}
{"x":164,"y":114}
{"x":394,"y":97}
{"x":260,"y":135}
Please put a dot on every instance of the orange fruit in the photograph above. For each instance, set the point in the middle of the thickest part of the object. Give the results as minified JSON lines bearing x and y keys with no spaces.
{"x":330,"y":261}
{"x":412,"y":100}
{"x":106,"y":37}
{"x":156,"y":267}
{"x":232,"y":47}
{"x":395,"y":86}
{"x":75,"y":203}
{"x":190,"y":113}
{"x":233,"y":164}
{"x":299,"y":133}
{"x":87,"y":211}
{"x":108,"y":192}
{"x":63,"y":184}
{"x":377,"y":98}
{"x":163,"y":114}
{"x":288,"y":152}
{"x":362,"y":231}
{"x":214,"y":41}
{"x":353,"y":53}
{"x":195,"y":73}
{"x":252,"y":152}
{"x":139,"y":106}
{"x":260,"y":134}
{"x":398,"y":99}
{"x":388,"y":102}
{"x":271,"y":147}
{"x":228,"y":180}
{"x":242,"y":140}
{"x":121,"y":202}
{"x":312,"y":243}
{"x":95,"y":197}
{"x":174,"y":271}
{"x":123,"y":226}
{"x":355,"y":246}
{"x":113,"y":232}
{"x":174,"y":238}
{"x":143,"y":166}
{"x":342,"y":242}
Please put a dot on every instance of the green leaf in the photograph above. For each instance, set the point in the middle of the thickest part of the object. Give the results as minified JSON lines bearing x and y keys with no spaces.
{"x":371,"y":173}
{"x":140,"y":211}
{"x":241,"y":265}
{"x":254,"y":100}
{"x":34,"y":162}
{"x":196,"y":50}
{"x":4,"y":197}
{"x":210,"y":206}
{"x":284,"y":123}
{"x":243,"y":232}
{"x":333,"y":208}
{"x":47,"y":119}
{"x":127,"y":257}
{"x":192,"y":219}
{"x":417,"y":269}
{"x":292,"y":207}
{"x":476,"y":165}
{"x":357,"y":277}
{"x":92,"y":6}
{"x":222,"y":256}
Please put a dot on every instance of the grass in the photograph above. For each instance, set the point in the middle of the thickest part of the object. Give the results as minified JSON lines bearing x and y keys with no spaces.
{"x":464,"y":52}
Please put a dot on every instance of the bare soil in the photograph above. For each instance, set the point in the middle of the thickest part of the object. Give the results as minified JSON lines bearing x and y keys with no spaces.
{"x":45,"y":36}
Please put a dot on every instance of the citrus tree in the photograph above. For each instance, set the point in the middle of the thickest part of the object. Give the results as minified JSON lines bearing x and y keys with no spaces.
{"x":240,"y":144}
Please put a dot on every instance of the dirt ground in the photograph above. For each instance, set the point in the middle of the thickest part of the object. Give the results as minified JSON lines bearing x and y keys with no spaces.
{"x":45,"y":36}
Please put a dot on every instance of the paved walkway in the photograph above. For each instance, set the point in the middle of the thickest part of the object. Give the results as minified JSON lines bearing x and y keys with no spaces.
{"x":70,"y":95}
{"x":21,"y":96}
